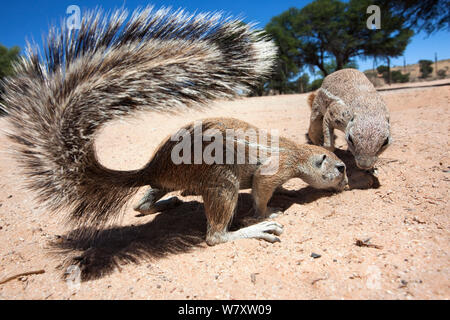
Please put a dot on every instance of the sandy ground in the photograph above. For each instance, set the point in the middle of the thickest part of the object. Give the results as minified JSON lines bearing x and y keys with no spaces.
{"x":164,"y":256}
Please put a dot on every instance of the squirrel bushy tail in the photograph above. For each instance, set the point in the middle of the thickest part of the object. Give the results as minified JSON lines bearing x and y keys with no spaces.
{"x":311,"y":98}
{"x":110,"y":67}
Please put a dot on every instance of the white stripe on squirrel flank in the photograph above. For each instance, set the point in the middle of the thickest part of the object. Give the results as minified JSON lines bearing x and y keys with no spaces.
{"x":332,"y":96}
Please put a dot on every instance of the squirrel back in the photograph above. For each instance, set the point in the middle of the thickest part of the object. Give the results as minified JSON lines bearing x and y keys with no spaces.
{"x":157,"y":60}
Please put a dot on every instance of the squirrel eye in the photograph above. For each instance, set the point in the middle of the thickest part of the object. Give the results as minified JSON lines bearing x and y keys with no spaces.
{"x":386,"y":142}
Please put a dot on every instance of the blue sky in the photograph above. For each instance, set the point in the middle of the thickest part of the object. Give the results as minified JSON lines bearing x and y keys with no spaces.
{"x":26,"y":19}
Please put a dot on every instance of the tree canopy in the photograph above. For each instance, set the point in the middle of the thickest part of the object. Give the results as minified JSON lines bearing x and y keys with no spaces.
{"x":427,"y":15}
{"x":332,"y":32}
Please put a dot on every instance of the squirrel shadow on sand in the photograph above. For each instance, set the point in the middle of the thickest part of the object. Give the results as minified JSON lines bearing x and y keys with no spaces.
{"x":173,"y":231}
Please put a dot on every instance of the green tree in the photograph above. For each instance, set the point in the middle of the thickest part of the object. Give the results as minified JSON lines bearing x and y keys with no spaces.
{"x":303,"y":83}
{"x":315,"y":84}
{"x":7,"y":58}
{"x":398,"y":76}
{"x":327,"y":31}
{"x":425,"y":68}
{"x":279,"y":81}
{"x":288,"y":64}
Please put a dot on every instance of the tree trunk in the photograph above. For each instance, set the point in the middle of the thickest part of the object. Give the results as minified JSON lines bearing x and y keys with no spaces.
{"x":340,"y":62}
{"x":322,"y":68}
{"x":389,"y":70}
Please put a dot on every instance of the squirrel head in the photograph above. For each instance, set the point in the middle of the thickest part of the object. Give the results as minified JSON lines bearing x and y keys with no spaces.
{"x":324,"y":170}
{"x":367,"y":137}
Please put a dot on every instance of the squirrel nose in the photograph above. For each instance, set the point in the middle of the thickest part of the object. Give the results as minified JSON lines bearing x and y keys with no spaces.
{"x":341,"y":167}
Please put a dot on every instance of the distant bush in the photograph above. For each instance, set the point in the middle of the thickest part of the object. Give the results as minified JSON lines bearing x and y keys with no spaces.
{"x":382,"y":69}
{"x":425,"y":68}
{"x":398,"y":77}
{"x":442,"y":73}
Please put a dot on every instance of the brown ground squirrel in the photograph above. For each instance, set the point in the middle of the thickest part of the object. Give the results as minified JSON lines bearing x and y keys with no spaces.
{"x":219,"y":184}
{"x":348,"y":101}
{"x":111,"y":67}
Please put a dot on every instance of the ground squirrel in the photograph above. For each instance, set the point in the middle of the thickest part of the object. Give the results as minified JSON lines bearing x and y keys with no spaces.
{"x":219,"y":184}
{"x":113,"y":66}
{"x":348,"y":101}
